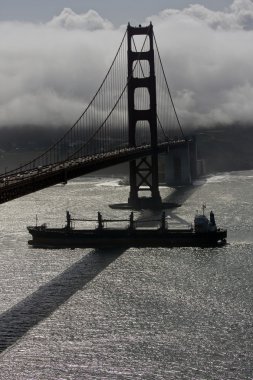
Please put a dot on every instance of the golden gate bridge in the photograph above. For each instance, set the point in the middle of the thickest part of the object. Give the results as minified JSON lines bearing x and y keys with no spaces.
{"x":132,"y":117}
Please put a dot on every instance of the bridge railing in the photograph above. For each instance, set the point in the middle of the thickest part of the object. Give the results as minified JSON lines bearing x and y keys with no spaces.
{"x":66,"y":166}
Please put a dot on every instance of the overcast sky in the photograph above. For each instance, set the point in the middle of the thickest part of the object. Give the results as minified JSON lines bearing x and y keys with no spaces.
{"x":54,"y":55}
{"x":118,"y":11}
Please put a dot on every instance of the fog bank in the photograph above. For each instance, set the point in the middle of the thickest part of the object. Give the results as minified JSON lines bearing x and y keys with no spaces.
{"x":49,"y":72}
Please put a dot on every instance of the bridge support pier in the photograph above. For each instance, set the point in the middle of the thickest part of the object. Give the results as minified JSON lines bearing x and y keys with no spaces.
{"x":141,"y":180}
{"x":181,"y":164}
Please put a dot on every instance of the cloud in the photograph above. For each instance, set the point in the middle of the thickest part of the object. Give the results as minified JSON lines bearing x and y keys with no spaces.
{"x":49,"y":72}
{"x":87,"y":21}
{"x":239,"y":16}
{"x":207,"y":58}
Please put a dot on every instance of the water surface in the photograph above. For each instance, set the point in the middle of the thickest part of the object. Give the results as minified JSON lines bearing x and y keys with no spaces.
{"x":181,"y":313}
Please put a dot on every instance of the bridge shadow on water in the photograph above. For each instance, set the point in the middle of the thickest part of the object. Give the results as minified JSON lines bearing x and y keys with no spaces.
{"x":17,"y":321}
{"x":180,"y":194}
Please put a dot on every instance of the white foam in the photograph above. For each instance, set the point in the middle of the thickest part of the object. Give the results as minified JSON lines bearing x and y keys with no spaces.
{"x":109,"y":182}
{"x":224,"y":177}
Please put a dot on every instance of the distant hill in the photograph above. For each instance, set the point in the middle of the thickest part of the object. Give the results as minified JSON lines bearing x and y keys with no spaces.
{"x":226,"y":149}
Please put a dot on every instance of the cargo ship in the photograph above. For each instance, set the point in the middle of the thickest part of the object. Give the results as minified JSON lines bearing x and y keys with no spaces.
{"x":203,"y":233}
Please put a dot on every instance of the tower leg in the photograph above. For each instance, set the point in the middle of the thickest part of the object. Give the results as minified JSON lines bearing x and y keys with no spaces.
{"x":143,"y":174}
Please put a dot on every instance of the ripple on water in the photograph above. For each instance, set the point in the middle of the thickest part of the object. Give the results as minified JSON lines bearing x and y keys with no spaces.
{"x":183,"y":313}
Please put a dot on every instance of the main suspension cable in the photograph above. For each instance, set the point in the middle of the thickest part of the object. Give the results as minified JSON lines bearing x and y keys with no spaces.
{"x":167,"y":85}
{"x":30,"y":163}
{"x":115,"y":105}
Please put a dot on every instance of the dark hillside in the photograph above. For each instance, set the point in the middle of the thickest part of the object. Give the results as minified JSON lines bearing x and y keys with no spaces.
{"x":226,"y":149}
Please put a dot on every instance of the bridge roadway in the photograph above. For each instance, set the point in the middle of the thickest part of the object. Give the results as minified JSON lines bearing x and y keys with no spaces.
{"x":16,"y":184}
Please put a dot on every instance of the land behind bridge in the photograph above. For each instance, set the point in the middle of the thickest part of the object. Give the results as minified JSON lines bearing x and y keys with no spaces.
{"x":222,"y":148}
{"x":226,"y":148}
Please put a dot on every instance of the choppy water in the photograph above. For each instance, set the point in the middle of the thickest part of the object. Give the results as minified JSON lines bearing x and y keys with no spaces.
{"x":183,"y":313}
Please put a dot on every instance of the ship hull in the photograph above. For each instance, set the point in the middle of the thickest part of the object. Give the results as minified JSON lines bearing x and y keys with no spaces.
{"x":125,"y":238}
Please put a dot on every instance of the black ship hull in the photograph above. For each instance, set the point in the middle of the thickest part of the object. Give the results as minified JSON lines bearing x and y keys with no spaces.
{"x":125,"y":238}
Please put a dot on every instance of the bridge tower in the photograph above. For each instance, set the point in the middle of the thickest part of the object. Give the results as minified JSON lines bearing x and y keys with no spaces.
{"x":143,"y":173}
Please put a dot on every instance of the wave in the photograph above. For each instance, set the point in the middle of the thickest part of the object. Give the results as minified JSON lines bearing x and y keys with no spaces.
{"x":225,"y":177}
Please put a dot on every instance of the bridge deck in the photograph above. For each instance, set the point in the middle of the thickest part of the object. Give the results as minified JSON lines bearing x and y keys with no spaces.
{"x":16,"y":184}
